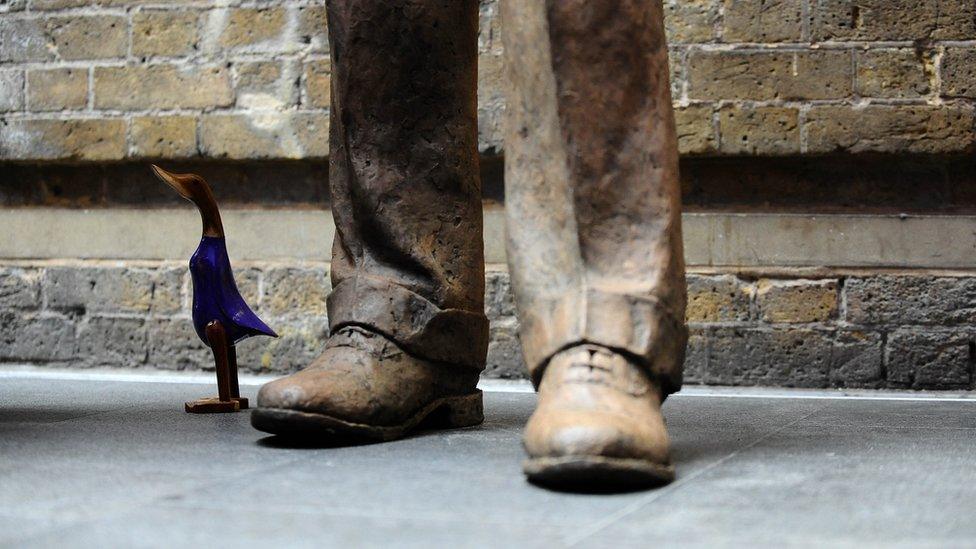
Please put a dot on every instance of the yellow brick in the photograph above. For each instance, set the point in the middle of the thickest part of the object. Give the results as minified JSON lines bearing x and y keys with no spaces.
{"x":714,"y":75}
{"x":162,"y":87}
{"x":797,"y":301}
{"x":895,"y":74}
{"x":696,"y":130}
{"x":767,"y":21}
{"x":57,"y":89}
{"x":73,"y":139}
{"x":318,"y":83}
{"x":717,"y":299}
{"x":88,"y":37}
{"x":249,"y":26}
{"x":164,"y":136}
{"x":271,"y":134}
{"x":165,"y":33}
{"x":759,"y":130}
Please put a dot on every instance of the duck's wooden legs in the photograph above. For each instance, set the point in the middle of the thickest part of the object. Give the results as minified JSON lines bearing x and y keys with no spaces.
{"x":222,"y":353}
{"x":217,"y":337}
{"x":235,"y":388}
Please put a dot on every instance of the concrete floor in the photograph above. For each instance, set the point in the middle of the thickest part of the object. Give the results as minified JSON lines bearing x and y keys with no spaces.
{"x":100,"y":463}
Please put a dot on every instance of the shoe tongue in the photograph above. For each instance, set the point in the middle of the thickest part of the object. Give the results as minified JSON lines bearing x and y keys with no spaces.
{"x":589,"y":357}
{"x":597,"y":365}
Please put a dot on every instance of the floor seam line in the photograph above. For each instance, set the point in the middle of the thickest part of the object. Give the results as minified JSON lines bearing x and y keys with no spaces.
{"x":633,"y":507}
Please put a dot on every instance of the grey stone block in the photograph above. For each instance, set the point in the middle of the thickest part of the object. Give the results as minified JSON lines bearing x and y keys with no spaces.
{"x":908,"y":300}
{"x":20,"y":288}
{"x":856,"y":359}
{"x":505,"y":352}
{"x":930,"y":359}
{"x":298,"y":345}
{"x":790,"y":358}
{"x":696,"y":356}
{"x":99,"y":290}
{"x":174,"y":345}
{"x":28,"y":337}
{"x":11,"y":89}
{"x":248,"y":281}
{"x":296,"y":291}
{"x":167,"y":290}
{"x":23,"y":40}
{"x":12,"y":5}
{"x":499,"y":300}
{"x":109,"y":341}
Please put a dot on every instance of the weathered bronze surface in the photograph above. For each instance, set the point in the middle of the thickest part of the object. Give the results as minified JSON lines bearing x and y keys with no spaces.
{"x":363,"y":385}
{"x":407,"y":310}
{"x":592,"y":193}
{"x":403,"y":170}
{"x":598,"y":423}
{"x":593,"y":222}
{"x":594,"y":233}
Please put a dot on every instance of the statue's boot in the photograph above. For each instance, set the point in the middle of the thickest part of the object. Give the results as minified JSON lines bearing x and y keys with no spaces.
{"x":408,"y":255}
{"x":593,"y":207}
{"x":598,"y":424}
{"x":364,"y":386}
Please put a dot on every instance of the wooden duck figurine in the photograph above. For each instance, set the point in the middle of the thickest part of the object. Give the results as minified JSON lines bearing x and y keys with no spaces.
{"x":221,"y":317}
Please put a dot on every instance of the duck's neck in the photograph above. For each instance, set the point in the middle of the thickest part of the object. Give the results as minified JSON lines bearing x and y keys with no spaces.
{"x":209,"y":213}
{"x":211,"y":223}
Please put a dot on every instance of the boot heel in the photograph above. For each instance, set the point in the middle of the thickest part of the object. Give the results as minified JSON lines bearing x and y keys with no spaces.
{"x":464,"y":411}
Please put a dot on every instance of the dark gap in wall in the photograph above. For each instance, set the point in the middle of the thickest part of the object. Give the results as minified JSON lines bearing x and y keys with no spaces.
{"x":132,"y":184}
{"x":857,"y":20}
{"x":884,"y":356}
{"x":272,"y":183}
{"x":842,"y":184}
{"x":834,"y":184}
{"x":972,"y":363}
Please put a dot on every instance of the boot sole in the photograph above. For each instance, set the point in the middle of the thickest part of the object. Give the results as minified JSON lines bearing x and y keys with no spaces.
{"x":596,"y":473}
{"x":444,"y":413}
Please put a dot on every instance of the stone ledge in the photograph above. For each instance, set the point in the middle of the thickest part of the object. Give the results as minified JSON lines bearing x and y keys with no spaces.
{"x":728,"y":240}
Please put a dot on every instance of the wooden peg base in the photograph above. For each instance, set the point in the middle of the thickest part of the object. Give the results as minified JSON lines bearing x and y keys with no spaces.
{"x":213,"y":405}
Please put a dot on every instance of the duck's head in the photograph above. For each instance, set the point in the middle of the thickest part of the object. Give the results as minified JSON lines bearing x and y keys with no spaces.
{"x":195,"y":189}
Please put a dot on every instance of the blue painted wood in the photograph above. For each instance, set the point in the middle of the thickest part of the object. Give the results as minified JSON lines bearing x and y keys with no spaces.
{"x":216,"y":297}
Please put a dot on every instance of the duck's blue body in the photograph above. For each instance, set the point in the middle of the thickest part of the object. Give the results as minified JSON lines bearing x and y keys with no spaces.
{"x":216,"y":297}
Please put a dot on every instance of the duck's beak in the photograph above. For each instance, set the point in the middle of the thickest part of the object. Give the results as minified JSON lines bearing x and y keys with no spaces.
{"x":179,"y":182}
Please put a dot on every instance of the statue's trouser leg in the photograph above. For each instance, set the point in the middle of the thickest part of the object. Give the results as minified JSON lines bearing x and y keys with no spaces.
{"x":409,"y":333}
{"x":592,"y":194}
{"x":408,"y":257}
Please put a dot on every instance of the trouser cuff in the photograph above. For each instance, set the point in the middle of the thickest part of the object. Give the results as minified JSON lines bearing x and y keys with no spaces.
{"x":418,"y":326}
{"x":638,"y":326}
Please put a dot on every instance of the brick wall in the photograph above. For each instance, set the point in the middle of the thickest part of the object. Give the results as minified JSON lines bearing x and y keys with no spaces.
{"x":779,"y":77}
{"x":851,"y":330}
{"x":859,"y":330}
{"x":106,"y":80}
{"x":238,"y":90}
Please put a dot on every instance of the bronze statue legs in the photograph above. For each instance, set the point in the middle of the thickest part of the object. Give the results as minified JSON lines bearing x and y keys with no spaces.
{"x":594,"y":231}
{"x":409,"y":333}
